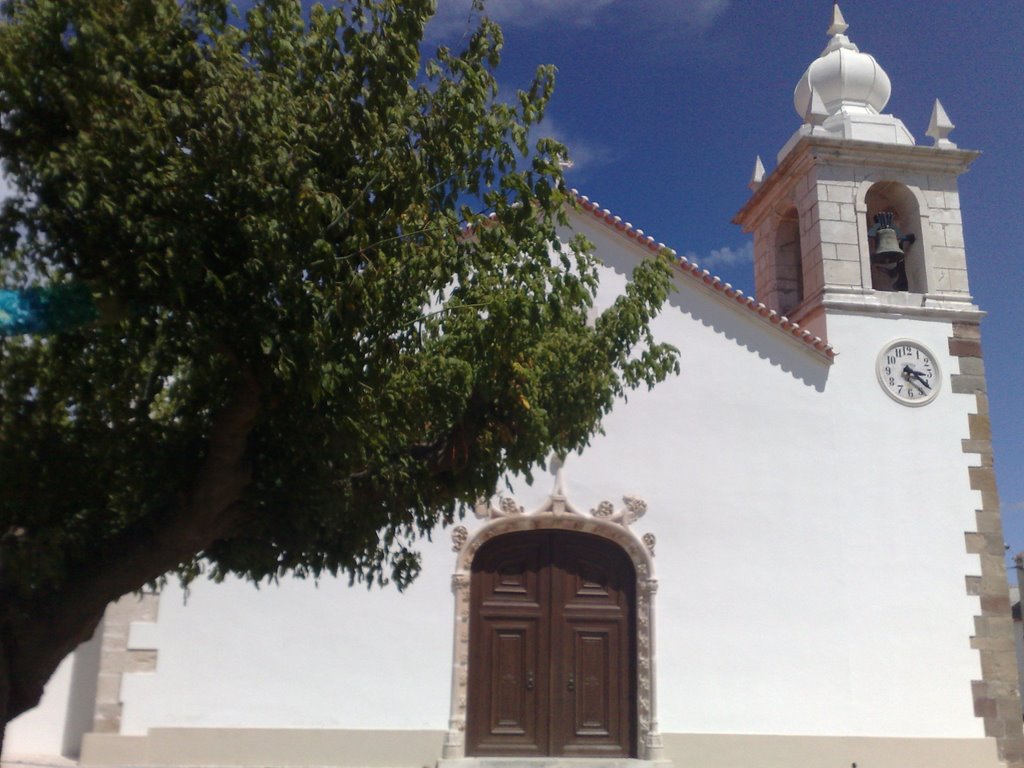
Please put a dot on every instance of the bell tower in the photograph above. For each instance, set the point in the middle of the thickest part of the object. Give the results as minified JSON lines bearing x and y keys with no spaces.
{"x":856,"y":217}
{"x":858,"y":238}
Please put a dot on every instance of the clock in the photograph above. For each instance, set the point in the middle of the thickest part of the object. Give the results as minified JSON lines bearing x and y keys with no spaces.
{"x":908,"y":372}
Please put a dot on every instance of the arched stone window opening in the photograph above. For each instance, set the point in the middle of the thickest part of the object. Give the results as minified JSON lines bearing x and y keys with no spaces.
{"x":789,"y":264}
{"x":892,"y":205}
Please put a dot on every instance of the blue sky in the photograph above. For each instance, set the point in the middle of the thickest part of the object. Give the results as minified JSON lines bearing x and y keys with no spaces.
{"x":664,"y":105}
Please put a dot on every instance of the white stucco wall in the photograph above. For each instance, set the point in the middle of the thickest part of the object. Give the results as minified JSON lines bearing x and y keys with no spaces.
{"x":299,"y":655}
{"x":56,"y":725}
{"x":40,"y":731}
{"x":810,"y":556}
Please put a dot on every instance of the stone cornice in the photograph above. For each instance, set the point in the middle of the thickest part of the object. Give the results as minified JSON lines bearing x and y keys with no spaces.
{"x":813,"y":151}
{"x":846,"y":152}
{"x":964,"y":313}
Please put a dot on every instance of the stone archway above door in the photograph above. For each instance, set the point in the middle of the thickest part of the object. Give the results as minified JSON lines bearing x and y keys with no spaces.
{"x":607,"y":521}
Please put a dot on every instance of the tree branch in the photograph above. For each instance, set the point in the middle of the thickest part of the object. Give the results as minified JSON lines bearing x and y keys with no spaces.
{"x":38,"y":635}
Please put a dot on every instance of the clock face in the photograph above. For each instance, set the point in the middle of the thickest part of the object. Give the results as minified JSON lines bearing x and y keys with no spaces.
{"x":908,"y":372}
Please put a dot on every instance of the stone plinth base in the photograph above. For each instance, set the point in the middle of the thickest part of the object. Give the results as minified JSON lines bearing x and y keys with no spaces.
{"x":284,"y":748}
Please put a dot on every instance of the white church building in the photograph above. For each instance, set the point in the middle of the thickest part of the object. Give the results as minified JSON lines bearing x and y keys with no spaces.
{"x":788,"y":556}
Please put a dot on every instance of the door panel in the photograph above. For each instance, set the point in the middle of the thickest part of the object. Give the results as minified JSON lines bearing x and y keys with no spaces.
{"x":593,"y":683}
{"x":551,"y":647}
{"x":510,"y":576}
{"x":595,"y":716}
{"x":513,"y":658}
{"x":509,"y":649}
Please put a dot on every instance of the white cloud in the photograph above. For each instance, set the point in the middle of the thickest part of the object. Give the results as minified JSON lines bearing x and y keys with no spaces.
{"x":586,"y":155}
{"x":725,"y":256}
{"x":452,"y":15}
{"x":583,"y":153}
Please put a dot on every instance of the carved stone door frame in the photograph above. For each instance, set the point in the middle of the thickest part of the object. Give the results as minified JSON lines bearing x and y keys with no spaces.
{"x":558,"y":514}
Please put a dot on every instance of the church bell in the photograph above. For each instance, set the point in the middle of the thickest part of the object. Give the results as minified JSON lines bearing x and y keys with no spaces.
{"x":889,"y":271}
{"x":887,"y":241}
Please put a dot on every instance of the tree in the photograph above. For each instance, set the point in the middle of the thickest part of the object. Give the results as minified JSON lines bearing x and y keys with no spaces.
{"x":314,"y":345}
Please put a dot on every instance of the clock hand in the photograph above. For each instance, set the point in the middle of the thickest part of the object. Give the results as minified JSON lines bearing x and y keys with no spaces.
{"x":920,"y":377}
{"x":909,"y":376}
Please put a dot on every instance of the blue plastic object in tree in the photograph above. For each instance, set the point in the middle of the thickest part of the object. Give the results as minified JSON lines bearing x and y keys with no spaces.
{"x":45,"y":310}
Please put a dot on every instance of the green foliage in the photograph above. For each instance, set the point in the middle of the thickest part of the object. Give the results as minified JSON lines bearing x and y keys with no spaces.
{"x":284,"y":202}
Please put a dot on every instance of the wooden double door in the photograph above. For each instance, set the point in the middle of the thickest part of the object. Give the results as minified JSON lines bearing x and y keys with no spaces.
{"x":551,"y":648}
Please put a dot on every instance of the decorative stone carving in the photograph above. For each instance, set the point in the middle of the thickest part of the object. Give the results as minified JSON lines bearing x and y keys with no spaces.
{"x":632,"y":510}
{"x":649,"y":542}
{"x":459,"y":535}
{"x":635,"y":508}
{"x":509,"y":506}
{"x":482,"y":509}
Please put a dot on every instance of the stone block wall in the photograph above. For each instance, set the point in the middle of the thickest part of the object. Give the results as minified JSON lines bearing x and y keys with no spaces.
{"x":117,"y":657}
{"x":997,"y":694}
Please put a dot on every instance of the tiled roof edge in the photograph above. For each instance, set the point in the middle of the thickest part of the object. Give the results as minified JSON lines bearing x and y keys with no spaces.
{"x":781,"y":323}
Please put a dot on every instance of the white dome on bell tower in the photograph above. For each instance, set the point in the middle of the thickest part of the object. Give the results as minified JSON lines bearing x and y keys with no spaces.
{"x":843,"y":92}
{"x":844,"y":77}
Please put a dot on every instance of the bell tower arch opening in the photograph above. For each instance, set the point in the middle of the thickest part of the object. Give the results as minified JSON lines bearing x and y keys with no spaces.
{"x":897,"y":260}
{"x":789,"y":264}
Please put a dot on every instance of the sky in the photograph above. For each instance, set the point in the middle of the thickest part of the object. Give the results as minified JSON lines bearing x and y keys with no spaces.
{"x":664,"y":105}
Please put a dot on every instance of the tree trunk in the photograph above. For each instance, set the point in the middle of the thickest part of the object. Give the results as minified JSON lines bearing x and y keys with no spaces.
{"x":36,"y":636}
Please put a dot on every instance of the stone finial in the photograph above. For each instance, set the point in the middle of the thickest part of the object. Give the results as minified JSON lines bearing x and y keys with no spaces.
{"x":757,"y":177}
{"x":839,"y":25}
{"x":940,"y":126}
{"x":816,"y":112}
{"x":557,"y":467}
